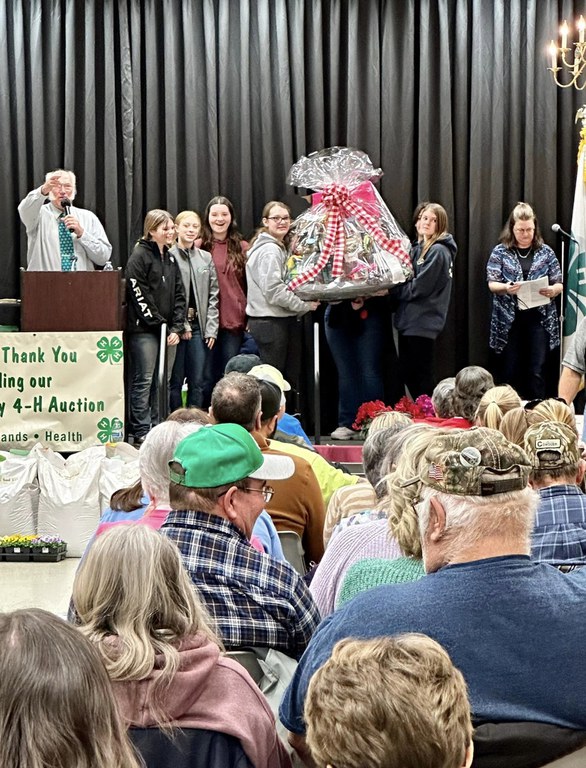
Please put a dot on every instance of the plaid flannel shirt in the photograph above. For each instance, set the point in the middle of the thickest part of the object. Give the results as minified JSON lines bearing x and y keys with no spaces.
{"x":559,"y":535}
{"x":254,"y":599}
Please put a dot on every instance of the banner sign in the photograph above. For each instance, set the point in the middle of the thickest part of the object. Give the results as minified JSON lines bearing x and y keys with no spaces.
{"x":63,"y":390}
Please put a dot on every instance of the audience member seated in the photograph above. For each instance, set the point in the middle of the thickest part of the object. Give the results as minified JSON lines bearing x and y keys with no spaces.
{"x":469,"y":387}
{"x":289,"y":427}
{"x":126,"y":504}
{"x":218,"y":488}
{"x":353,"y":499}
{"x":392,"y":702}
{"x":372,"y":538}
{"x":442,"y":398}
{"x":137,"y":606}
{"x":501,"y":616}
{"x":329,"y":477}
{"x":154,"y":456}
{"x":494,"y":404}
{"x":56,"y":702}
{"x":517,"y":421}
{"x":551,"y":409}
{"x":296,"y":504}
{"x":241,"y":363}
{"x":402,"y":495}
{"x":559,"y":534}
{"x":514,"y":424}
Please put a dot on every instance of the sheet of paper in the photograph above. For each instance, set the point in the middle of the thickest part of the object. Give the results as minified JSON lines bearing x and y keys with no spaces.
{"x":529,"y":296}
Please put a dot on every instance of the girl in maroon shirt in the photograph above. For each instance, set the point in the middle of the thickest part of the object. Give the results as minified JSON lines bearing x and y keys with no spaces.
{"x":220,"y":236}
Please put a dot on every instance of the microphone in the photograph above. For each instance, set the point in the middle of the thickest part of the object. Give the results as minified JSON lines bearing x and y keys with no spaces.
{"x":66,"y":205}
{"x":557,"y":228}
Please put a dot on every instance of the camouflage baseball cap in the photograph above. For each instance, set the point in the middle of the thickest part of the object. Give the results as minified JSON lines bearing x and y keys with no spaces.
{"x":474,"y":462}
{"x":551,"y":445}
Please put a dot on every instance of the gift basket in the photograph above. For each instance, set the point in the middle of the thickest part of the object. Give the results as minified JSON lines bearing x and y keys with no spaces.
{"x":348,"y":243}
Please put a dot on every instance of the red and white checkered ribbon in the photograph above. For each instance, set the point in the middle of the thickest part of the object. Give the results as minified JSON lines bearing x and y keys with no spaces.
{"x":341,"y":205}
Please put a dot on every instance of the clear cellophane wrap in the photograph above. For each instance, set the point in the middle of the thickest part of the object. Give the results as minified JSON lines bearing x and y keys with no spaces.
{"x":348,"y":243}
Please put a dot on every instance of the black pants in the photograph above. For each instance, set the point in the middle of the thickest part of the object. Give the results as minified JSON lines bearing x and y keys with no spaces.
{"x":416,"y":361}
{"x":279,"y":344}
{"x":523,"y":359}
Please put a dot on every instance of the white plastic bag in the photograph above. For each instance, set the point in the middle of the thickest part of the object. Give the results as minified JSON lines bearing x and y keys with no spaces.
{"x":69,"y":504}
{"x":18,"y":494}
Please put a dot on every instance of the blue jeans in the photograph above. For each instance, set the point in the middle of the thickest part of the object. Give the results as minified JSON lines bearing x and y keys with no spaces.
{"x":227,"y":346}
{"x":357,"y":356}
{"x":143,"y":395}
{"x":191,"y":363}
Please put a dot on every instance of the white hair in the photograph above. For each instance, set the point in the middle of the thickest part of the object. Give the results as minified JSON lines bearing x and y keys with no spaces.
{"x":470,"y":519}
{"x":61,"y":172}
{"x":155,"y":454}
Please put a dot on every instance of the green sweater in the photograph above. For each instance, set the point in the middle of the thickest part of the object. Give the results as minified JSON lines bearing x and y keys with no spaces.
{"x":373,"y":572}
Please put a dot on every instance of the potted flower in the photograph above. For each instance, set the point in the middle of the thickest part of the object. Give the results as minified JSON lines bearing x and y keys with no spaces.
{"x":19,"y":548}
{"x":366,"y":414}
{"x":16,"y":547}
{"x":422,"y":408}
{"x":49,"y":548}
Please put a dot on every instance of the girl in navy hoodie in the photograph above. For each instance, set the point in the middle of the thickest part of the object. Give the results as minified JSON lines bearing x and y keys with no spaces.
{"x":423,"y":302}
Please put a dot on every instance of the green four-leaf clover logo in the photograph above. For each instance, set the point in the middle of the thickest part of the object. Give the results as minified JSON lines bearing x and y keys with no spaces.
{"x":110,"y":431}
{"x":110,"y":350}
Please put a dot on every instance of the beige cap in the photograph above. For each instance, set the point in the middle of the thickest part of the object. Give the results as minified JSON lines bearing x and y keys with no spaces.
{"x":267,"y":372}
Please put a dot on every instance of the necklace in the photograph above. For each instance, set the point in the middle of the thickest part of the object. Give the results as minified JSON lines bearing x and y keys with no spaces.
{"x":523,"y":255}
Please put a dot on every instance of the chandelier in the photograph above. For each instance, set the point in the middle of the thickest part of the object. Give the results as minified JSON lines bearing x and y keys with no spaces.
{"x":572,"y":59}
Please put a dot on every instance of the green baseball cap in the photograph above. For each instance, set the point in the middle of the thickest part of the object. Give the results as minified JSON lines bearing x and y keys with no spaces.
{"x":474,"y":462}
{"x":551,"y":445}
{"x":225,"y":453}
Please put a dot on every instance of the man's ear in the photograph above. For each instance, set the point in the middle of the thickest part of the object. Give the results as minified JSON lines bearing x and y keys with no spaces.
{"x":437,"y":519}
{"x":211,"y":414}
{"x":227,"y":500}
{"x":273,"y":424}
{"x":258,"y":422}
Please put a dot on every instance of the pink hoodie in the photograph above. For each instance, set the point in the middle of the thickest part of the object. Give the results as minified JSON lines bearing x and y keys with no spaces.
{"x":209,"y":691}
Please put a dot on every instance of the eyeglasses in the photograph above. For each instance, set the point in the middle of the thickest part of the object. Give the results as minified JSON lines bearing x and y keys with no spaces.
{"x":279,"y":219}
{"x":267,"y":491}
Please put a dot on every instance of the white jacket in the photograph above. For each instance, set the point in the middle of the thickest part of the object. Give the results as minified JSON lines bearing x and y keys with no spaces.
{"x":43,"y":254}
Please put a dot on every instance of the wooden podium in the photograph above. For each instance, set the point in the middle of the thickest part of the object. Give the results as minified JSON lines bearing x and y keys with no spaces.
{"x":72,"y":301}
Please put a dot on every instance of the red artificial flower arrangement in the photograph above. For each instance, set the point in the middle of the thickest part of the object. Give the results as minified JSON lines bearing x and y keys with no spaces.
{"x":422,"y":408}
{"x":367,"y":412}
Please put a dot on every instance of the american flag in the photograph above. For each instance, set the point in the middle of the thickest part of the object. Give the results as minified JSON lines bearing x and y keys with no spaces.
{"x":436,"y":472}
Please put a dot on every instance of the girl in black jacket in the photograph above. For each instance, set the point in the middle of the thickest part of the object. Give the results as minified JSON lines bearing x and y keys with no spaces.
{"x":155,"y":295}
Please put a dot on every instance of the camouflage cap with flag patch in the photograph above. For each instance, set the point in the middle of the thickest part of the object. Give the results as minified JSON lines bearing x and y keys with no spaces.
{"x":474,"y":462}
{"x":552,"y":445}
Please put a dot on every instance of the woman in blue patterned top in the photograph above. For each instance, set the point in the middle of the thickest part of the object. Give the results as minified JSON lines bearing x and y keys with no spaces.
{"x":521,"y":337}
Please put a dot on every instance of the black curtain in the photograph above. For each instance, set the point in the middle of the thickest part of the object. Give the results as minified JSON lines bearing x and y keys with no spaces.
{"x":164,"y":103}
